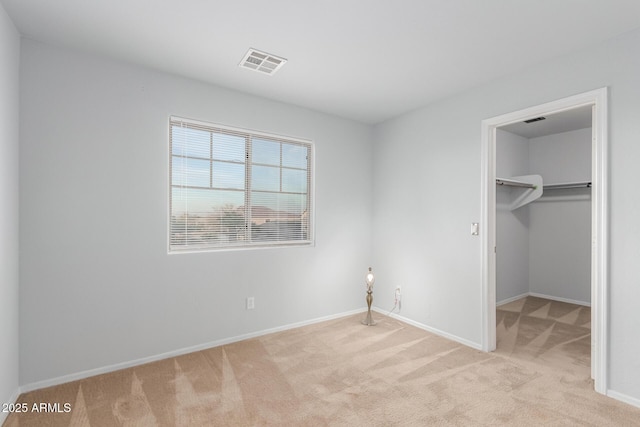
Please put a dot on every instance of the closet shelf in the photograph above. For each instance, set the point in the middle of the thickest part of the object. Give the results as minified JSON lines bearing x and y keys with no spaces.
{"x":529,"y":186}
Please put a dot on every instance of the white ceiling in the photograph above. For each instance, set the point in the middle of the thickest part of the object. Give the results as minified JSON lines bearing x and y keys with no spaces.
{"x":367,"y":60}
{"x":565,"y":121}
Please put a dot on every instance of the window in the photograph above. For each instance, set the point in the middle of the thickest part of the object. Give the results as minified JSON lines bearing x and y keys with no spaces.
{"x":232,"y":188}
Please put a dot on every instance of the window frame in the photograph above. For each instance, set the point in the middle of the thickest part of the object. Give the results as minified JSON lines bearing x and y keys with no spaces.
{"x":249,"y":135}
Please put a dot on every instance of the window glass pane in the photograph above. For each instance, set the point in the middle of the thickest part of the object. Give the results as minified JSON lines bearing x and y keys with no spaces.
{"x":228,"y":147}
{"x":190,"y":142}
{"x":266,"y":152}
{"x":265,"y":178}
{"x":204,"y":201}
{"x":294,"y":156}
{"x":285,"y":204}
{"x":279,"y":217}
{"x":294,"y":180}
{"x":206,"y":217}
{"x":190,"y":172}
{"x":228,"y":175}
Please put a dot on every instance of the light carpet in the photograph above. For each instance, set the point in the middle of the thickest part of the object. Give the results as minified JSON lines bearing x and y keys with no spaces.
{"x":341,"y":373}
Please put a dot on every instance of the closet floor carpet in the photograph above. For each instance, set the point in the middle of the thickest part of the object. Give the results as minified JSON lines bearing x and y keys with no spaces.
{"x":552,"y":333}
{"x":341,"y":373}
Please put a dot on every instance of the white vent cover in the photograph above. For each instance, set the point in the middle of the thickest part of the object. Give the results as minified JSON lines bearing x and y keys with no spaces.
{"x":262,"y":62}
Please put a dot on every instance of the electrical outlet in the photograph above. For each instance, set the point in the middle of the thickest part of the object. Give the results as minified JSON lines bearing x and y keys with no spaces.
{"x":251,"y":303}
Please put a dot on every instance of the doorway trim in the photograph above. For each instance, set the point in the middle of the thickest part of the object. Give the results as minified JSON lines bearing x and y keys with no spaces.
{"x":599,"y":223}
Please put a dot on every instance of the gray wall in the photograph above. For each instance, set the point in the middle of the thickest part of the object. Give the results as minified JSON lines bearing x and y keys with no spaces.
{"x":560,"y":222}
{"x":512,"y":226}
{"x":9,"y":137}
{"x":97,"y":285}
{"x":427,"y":192}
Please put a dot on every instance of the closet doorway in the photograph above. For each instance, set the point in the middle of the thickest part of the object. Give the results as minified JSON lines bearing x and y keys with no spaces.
{"x":543,"y":240}
{"x":511,"y":147}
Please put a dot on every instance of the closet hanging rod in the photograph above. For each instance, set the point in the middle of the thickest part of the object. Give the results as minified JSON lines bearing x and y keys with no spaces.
{"x":581,"y":184}
{"x":513,"y":183}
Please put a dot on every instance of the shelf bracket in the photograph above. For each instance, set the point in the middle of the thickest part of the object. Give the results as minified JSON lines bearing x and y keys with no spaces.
{"x":530,"y":188}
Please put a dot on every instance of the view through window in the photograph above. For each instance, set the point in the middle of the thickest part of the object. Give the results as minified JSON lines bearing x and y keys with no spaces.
{"x":233,"y":188}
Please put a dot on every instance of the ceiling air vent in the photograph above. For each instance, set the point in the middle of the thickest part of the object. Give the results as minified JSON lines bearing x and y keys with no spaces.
{"x":262,"y":62}
{"x":537,"y":119}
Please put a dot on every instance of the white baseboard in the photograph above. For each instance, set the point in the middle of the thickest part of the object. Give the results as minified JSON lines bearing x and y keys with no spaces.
{"x":12,"y":399}
{"x":508,"y":300}
{"x":550,"y":297}
{"x":431,"y":329}
{"x":624,"y":398}
{"x":118,"y":366}
{"x":554,"y":298}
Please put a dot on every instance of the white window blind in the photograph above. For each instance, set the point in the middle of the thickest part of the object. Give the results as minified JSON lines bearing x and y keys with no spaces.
{"x":231,"y":188}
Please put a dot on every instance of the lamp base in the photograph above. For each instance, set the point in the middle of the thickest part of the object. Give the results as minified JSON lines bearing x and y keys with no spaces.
{"x":368,"y":320}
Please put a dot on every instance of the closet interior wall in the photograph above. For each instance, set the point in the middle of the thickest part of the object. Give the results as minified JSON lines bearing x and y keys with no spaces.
{"x":544,"y":248}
